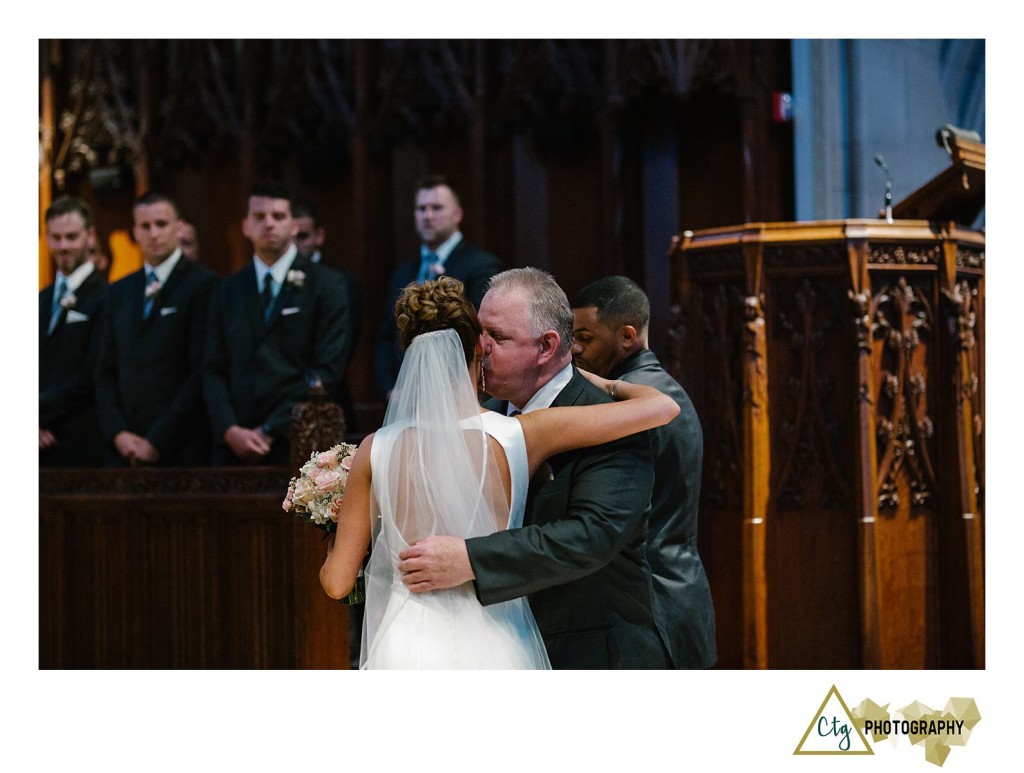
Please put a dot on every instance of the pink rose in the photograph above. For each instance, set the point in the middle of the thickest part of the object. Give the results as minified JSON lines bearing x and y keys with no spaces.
{"x":336,"y":509}
{"x":346,"y":463}
{"x":327,"y":459}
{"x":287,"y":504}
{"x":330,"y":480}
{"x":304,"y":491}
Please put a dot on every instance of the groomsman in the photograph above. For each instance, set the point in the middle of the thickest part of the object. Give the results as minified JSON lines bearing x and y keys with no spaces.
{"x":443,"y":250}
{"x":275,"y":326}
{"x":611,"y":318}
{"x":69,"y":311}
{"x":148,"y":392}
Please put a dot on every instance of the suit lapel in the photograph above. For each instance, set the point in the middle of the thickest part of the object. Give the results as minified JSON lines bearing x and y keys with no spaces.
{"x":289,"y":294}
{"x":571,"y":392}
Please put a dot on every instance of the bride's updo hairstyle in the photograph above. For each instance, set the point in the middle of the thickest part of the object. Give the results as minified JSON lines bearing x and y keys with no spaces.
{"x":437,"y":304}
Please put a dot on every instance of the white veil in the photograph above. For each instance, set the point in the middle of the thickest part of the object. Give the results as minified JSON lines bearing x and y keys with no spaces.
{"x":434,"y":473}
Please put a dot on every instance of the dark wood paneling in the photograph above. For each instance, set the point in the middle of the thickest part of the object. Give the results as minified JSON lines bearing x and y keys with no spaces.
{"x":181,"y":569}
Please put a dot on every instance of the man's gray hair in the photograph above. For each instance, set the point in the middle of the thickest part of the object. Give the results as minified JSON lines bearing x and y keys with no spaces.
{"x":549,"y":306}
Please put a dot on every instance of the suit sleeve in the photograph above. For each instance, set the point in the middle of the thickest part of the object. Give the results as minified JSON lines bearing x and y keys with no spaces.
{"x":108,"y":412}
{"x":484,"y":267}
{"x":609,"y":495}
{"x":175,"y":423}
{"x":332,"y":346}
{"x":214,"y":377}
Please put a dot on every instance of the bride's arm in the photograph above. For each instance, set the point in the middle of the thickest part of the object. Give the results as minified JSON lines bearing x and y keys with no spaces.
{"x":347,"y":548}
{"x":553,"y":430}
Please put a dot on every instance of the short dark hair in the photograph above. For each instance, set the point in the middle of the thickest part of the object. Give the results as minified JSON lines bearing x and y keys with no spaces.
{"x":155,"y":197}
{"x":618,"y":300}
{"x":430,"y":181}
{"x":66,"y":205}
{"x":306,"y":208}
{"x":269,"y":189}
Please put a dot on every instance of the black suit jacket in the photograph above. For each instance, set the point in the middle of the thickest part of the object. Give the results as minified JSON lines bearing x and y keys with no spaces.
{"x":471,"y":265}
{"x":254,"y":374}
{"x":67,"y":358}
{"x":580,"y":553}
{"x":682,"y":599}
{"x":148,"y":375}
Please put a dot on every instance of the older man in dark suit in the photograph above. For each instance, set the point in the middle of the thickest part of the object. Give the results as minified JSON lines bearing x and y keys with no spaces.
{"x":148,"y":393}
{"x":276,"y":326}
{"x":610,"y":339}
{"x":580,"y":553}
{"x":443,"y":250}
{"x":69,"y":312}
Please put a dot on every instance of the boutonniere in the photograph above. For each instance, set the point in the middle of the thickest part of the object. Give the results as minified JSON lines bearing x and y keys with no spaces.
{"x":437,"y":269}
{"x":296,"y":278}
{"x":68,"y":301}
{"x":152,"y":289}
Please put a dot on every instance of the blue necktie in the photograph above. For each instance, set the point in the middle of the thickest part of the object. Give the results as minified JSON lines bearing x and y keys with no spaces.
{"x":427,"y":260}
{"x":147,"y":310}
{"x":59,"y":291}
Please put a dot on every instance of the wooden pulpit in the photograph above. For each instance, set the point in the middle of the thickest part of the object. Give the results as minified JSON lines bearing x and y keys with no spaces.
{"x":838,"y":370}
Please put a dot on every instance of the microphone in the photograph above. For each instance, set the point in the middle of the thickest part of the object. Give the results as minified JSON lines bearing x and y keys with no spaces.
{"x":880,"y":160}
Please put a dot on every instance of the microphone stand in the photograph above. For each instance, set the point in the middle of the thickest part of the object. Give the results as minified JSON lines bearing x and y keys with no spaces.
{"x":888,"y":188}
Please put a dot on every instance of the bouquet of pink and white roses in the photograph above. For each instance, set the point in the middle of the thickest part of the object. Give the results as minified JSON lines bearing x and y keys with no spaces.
{"x":315,"y":495}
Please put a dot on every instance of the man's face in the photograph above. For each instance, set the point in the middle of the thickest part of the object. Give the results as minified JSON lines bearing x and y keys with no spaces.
{"x":188,"y":241}
{"x":68,"y":241}
{"x":156,"y":231}
{"x":595,"y":346}
{"x":511,"y":350}
{"x":308,"y":237}
{"x":269,"y":226}
{"x":438,"y":215}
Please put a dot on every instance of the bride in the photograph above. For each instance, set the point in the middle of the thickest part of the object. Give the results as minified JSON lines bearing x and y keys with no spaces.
{"x":442,"y":465}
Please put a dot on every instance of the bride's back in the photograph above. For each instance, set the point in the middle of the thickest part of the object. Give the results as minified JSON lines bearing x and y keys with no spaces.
{"x":429,"y":480}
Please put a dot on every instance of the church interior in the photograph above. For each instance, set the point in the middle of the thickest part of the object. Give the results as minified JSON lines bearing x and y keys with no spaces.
{"x":807,"y":218}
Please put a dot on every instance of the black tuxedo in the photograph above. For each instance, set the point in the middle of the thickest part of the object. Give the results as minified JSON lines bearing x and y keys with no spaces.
{"x":682,"y":598}
{"x":255,"y":373}
{"x":471,"y":265}
{"x":67,"y":358}
{"x":580,"y":553}
{"x":148,"y":376}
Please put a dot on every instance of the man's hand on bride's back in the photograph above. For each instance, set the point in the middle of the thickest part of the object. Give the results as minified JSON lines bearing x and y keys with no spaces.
{"x":435,"y":563}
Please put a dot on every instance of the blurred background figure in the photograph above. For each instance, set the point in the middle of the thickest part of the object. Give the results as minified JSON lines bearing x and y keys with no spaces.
{"x":188,"y":240}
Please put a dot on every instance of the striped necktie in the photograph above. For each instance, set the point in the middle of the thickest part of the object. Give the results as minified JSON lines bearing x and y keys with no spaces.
{"x":151,"y":277}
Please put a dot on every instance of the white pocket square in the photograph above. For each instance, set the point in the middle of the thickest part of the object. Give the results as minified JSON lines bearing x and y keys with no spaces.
{"x":75,"y":316}
{"x":290,"y":310}
{"x":168,"y":310}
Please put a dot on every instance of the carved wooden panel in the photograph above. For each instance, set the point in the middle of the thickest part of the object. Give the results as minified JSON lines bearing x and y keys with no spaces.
{"x":812,"y":545}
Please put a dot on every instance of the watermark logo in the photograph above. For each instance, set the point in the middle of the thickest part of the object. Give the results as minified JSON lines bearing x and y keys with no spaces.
{"x":836,"y":729}
{"x":833,"y":730}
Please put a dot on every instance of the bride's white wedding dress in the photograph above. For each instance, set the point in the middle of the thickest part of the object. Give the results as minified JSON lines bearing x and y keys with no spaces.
{"x":433,"y":473}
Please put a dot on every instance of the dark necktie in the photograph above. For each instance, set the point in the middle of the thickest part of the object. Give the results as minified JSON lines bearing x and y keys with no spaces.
{"x":59,"y":291}
{"x":267,"y":296}
{"x":151,"y":281}
{"x":516,"y":412}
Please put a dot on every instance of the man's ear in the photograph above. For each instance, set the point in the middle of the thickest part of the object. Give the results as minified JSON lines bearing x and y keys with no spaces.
{"x":628,"y":335}
{"x":549,"y":343}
